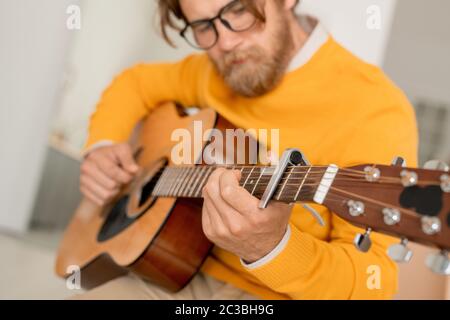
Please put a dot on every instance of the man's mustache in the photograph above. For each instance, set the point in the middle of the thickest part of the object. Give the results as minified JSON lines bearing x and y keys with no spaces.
{"x":228,"y":61}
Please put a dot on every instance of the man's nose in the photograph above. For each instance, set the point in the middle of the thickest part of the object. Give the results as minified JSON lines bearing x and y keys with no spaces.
{"x":228,"y":39}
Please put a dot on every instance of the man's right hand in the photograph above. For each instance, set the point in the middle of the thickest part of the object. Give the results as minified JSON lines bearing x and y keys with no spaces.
{"x":105,"y":171}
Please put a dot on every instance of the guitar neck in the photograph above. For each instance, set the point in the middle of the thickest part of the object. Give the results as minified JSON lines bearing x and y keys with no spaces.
{"x":298,"y":182}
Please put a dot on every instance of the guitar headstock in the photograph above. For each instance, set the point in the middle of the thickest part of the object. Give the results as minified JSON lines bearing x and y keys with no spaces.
{"x":408,"y":203}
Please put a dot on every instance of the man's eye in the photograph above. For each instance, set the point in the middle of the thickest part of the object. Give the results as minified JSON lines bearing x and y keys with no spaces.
{"x":239,"y":10}
{"x":202,"y":29}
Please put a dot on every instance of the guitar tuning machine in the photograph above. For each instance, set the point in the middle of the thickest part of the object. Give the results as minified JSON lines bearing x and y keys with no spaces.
{"x":445,"y":183}
{"x":391,"y":216}
{"x":436,"y":165}
{"x":398,"y":162}
{"x":355,"y":208}
{"x":439,"y":263}
{"x":400,"y":252}
{"x":430,"y":225}
{"x":442,"y":166}
{"x":362,"y":242}
{"x":408,"y":178}
{"x":372,"y":173}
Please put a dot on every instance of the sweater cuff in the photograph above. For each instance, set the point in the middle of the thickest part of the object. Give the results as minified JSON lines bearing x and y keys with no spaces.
{"x":99,"y":144}
{"x":271,"y":255}
{"x":293,"y":261}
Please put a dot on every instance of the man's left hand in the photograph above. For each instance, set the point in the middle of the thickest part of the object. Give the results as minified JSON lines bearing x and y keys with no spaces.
{"x":232,"y":220}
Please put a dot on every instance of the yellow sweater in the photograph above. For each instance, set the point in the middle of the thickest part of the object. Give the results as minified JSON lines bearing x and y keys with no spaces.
{"x":336,"y":109}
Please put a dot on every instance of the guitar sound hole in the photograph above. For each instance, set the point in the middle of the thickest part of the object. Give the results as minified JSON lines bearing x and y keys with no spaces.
{"x":118,"y":219}
{"x":147,"y":189}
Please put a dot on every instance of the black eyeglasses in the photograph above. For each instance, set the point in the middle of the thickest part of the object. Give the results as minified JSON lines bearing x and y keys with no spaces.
{"x":203,"y":34}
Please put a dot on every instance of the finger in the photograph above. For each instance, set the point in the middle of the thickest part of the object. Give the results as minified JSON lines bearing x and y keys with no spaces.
{"x":100,"y":192}
{"x":91,"y":169}
{"x":218,"y":226}
{"x":88,"y":194}
{"x":206,"y":222}
{"x":213,"y":190}
{"x":113,"y":170}
{"x":236,"y":196}
{"x":124,"y":155}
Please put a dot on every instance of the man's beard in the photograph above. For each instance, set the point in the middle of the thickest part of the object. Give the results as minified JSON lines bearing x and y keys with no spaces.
{"x":260,"y":71}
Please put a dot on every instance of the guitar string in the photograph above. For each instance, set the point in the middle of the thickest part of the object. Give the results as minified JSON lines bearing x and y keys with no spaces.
{"x":337,"y":178}
{"x":293,"y":174}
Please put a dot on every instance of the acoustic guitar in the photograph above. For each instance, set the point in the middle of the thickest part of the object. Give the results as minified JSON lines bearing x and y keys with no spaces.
{"x":154,"y":228}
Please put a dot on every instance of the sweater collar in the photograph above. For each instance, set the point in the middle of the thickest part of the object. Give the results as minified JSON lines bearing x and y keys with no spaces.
{"x":318,"y":35}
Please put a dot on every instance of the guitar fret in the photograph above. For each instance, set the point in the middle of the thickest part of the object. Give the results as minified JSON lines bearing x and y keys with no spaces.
{"x":301,"y":184}
{"x":194,"y":184}
{"x":185,"y":183}
{"x":204,"y":179}
{"x":181,"y":179}
{"x":161,"y":183}
{"x":257,"y":181}
{"x":198,"y":181}
{"x":189,"y":182}
{"x":155,"y":189}
{"x":253,"y":168}
{"x":284,"y":184}
{"x":173,"y":181}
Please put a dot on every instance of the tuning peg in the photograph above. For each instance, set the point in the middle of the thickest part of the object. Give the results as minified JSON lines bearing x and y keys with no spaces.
{"x":362,"y":242}
{"x":391,"y":216}
{"x":445,"y":183}
{"x":372,"y":173}
{"x":400,"y":252}
{"x":439,"y":263}
{"x":436,"y":165}
{"x":398,"y":162}
{"x":355,"y":208}
{"x":430,"y":225}
{"x":408,"y":178}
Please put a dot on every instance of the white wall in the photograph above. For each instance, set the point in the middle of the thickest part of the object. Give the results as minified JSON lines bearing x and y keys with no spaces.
{"x":33,"y":41}
{"x":348,"y":21}
{"x":419,"y":50}
{"x":117,"y":34}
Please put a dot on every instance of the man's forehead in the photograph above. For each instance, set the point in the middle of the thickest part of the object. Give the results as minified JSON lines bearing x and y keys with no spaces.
{"x":202,"y":9}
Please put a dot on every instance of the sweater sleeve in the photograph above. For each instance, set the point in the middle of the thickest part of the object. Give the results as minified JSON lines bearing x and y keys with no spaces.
{"x":311,"y":268}
{"x":133,"y":94}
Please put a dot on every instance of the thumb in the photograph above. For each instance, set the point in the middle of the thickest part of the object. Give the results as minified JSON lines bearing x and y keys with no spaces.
{"x":125,"y":157}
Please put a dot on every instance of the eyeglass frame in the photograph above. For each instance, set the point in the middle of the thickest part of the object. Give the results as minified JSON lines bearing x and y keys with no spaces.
{"x":211,"y":22}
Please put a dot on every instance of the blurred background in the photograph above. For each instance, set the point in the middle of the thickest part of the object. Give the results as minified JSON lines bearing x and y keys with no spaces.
{"x":57,"y":56}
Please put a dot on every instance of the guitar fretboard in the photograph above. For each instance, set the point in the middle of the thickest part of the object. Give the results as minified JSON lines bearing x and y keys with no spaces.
{"x":297,"y":183}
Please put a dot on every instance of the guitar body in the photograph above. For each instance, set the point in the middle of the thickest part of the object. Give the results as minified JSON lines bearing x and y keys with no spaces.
{"x":159,"y":239}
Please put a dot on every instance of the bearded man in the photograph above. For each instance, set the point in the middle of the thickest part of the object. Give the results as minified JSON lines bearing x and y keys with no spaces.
{"x":262,"y":66}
